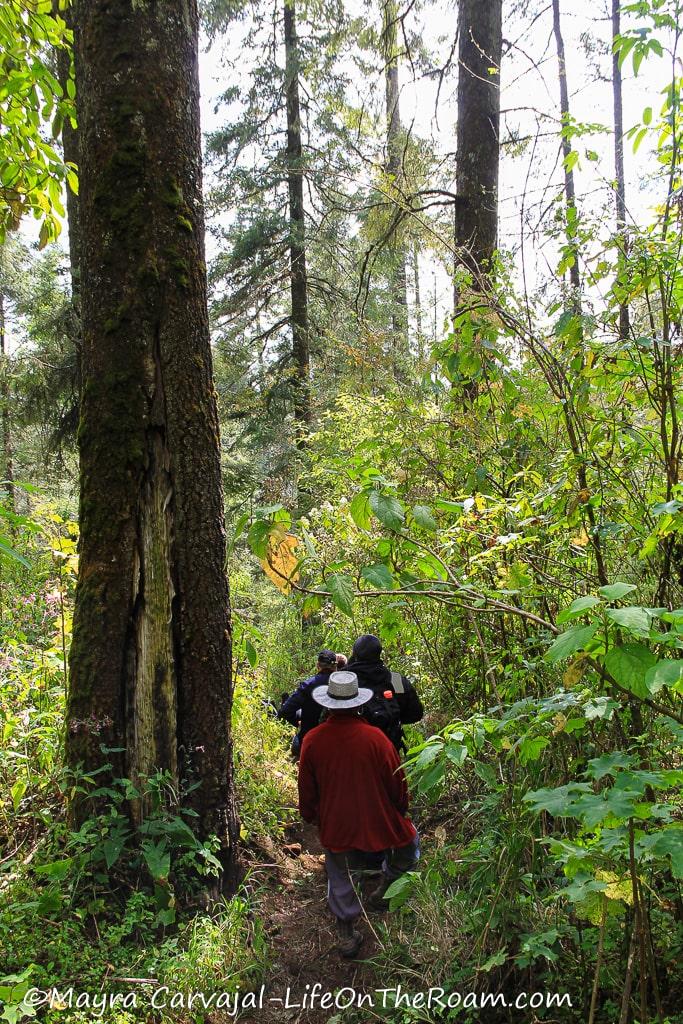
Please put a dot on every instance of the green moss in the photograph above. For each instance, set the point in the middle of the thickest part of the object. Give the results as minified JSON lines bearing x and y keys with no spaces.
{"x":172,"y":195}
{"x":178,"y":265}
{"x":114,"y":322}
{"x":185,"y":224}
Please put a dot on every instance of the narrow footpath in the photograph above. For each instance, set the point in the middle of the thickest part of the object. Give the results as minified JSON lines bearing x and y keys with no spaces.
{"x":301,"y":934}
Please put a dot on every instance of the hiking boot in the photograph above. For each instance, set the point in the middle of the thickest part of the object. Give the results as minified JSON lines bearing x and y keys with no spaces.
{"x":376,"y":900}
{"x":350,"y":940}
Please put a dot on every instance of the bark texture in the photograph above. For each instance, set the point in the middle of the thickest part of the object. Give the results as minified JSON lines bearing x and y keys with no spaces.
{"x":150,"y":659}
{"x":394,"y":168}
{"x":476,"y":214}
{"x":297,"y":228}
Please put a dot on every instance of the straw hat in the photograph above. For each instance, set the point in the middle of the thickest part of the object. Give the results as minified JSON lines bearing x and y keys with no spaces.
{"x":342,"y":692}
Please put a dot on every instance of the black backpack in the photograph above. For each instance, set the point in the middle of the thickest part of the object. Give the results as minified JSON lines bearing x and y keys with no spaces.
{"x":385,"y":713}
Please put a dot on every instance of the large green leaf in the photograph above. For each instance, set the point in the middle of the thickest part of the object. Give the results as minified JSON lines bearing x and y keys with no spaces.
{"x":560,"y":802}
{"x":665,"y":673}
{"x":388,"y":509}
{"x":378,"y":576}
{"x":615,"y":591}
{"x":342,"y":591}
{"x":424,"y":518}
{"x":360,"y":511}
{"x":158,"y":859}
{"x":567,"y":643}
{"x":667,"y":842}
{"x":578,"y":607}
{"x":628,"y":665}
{"x":636,"y":620}
{"x":598,"y":767}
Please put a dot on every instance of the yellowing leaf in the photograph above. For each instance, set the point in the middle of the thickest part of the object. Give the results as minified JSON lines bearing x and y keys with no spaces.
{"x":560,"y":722}
{"x":581,"y":538}
{"x":618,"y":888}
{"x":573,"y":673}
{"x":281,"y":563}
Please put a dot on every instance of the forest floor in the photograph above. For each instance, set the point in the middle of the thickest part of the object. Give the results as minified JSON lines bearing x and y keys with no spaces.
{"x":301,"y":933}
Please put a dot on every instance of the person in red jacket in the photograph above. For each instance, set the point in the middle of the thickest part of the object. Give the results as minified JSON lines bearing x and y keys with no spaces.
{"x":352,"y":787}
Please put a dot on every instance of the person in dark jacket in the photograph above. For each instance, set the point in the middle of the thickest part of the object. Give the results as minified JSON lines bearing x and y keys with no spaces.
{"x":366,"y":662}
{"x":300,"y":709}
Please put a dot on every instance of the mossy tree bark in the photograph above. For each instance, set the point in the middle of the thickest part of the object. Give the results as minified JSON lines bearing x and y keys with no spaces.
{"x":150,"y":659}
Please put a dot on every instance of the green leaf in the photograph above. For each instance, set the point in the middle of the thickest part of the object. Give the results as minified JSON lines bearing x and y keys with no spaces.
{"x":628,"y":665}
{"x":636,"y":620}
{"x":17,"y":791}
{"x":613,"y":803}
{"x":530,"y":749}
{"x":667,"y":842}
{"x":559,"y":802}
{"x":251,"y":652}
{"x":400,"y":889}
{"x":259,"y":537}
{"x":606,"y":765}
{"x":57,"y":869}
{"x":112,"y":850}
{"x":378,"y":576}
{"x":497,"y":960}
{"x":342,"y":592}
{"x":388,"y":509}
{"x":567,"y":643}
{"x":615,"y":591}
{"x":158,"y":859}
{"x":665,"y":673}
{"x":8,"y":551}
{"x":360,"y":511}
{"x":577,"y":607}
{"x":424,"y":518}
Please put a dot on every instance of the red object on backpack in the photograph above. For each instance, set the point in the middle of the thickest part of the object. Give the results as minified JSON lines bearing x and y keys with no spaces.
{"x":388,"y":694}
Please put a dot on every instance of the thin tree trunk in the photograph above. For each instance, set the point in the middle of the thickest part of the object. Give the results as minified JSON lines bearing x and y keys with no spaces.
{"x":394,"y":168}
{"x":570,"y":193}
{"x":571,"y":218}
{"x":620,"y":192}
{"x":5,"y":399}
{"x":70,"y":150}
{"x":418,"y":303}
{"x":297,"y":229}
{"x":150,"y":658}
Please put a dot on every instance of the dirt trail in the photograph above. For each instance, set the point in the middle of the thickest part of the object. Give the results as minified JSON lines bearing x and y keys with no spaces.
{"x":302,"y":936}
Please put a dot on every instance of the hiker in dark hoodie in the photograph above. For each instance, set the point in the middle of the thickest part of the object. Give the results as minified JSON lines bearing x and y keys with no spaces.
{"x":300,"y":709}
{"x":390,"y":688}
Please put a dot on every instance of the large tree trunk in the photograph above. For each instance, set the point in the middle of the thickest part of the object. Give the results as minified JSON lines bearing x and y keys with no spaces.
{"x":394,"y":168}
{"x":476,"y":213}
{"x":150,"y":658}
{"x":297,"y":229}
{"x":480,"y":49}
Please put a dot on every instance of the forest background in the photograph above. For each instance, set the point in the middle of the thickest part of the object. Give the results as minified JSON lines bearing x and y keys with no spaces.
{"x":444,"y":258}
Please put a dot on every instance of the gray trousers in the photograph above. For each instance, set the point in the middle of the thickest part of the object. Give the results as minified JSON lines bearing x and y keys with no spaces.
{"x":345,"y":870}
